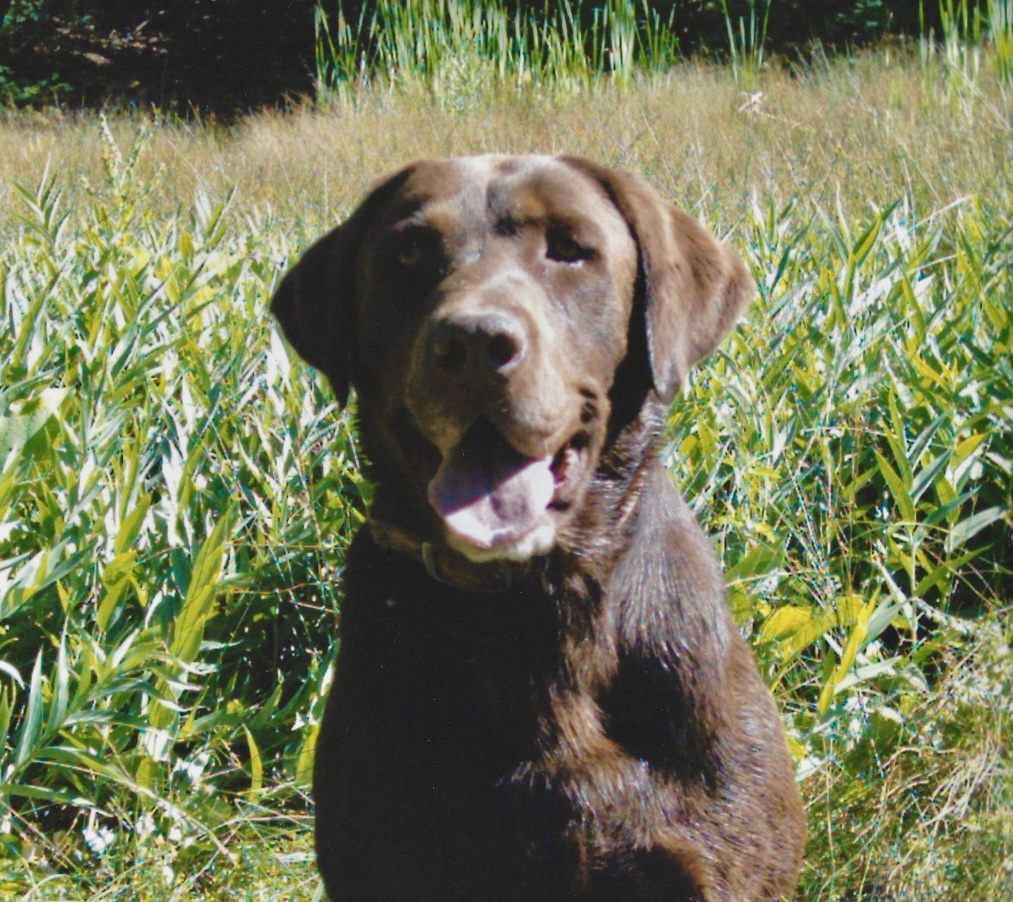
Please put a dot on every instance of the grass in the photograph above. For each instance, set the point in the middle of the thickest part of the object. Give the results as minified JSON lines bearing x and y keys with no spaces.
{"x":852,"y":132}
{"x":176,"y":493}
{"x":454,"y":53}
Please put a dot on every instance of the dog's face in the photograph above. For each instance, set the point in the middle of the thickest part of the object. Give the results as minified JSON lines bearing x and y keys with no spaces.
{"x":482,"y":308}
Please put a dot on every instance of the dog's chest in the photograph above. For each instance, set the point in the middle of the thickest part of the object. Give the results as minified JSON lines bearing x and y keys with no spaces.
{"x":458,"y":668}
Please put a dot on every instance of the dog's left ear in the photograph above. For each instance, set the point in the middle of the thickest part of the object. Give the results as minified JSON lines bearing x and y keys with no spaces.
{"x":693,"y":287}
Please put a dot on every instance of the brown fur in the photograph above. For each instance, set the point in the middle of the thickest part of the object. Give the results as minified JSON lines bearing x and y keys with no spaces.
{"x":571,"y":714}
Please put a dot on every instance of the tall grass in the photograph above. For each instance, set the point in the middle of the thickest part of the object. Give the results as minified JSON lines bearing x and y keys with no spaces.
{"x":458,"y":51}
{"x":176,"y":493}
{"x":156,"y":521}
{"x":860,"y":485}
{"x":746,"y":43}
{"x":969,"y":30}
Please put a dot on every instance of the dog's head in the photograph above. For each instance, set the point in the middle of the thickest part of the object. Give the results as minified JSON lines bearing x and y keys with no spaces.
{"x":482,"y":308}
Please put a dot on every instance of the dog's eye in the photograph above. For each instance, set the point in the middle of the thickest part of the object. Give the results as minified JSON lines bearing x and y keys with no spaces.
{"x":412,"y":245}
{"x":410,"y":252}
{"x":560,"y":245}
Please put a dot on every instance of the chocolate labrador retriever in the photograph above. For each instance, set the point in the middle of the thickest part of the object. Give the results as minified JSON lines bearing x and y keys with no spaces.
{"x":540,"y":693}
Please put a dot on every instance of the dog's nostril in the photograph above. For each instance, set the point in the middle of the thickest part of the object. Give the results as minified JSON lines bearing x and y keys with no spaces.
{"x":502,"y":348}
{"x":450,"y":353}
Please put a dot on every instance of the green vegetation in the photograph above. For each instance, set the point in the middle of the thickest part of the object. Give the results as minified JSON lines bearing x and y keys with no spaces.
{"x":176,"y":491}
{"x":228,"y":57}
{"x":443,"y":48}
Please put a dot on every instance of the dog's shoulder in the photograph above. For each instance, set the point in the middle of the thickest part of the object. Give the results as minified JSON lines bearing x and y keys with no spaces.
{"x":668,"y":569}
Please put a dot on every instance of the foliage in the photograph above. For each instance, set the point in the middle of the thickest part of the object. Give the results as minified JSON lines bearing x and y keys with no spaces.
{"x":966,"y":29}
{"x":206,"y":55}
{"x":462,"y":50}
{"x":747,"y":43}
{"x":445,"y":47}
{"x":224,"y":56}
{"x":931,"y":766}
{"x":861,"y":482}
{"x":176,"y":494}
{"x":155,"y":526}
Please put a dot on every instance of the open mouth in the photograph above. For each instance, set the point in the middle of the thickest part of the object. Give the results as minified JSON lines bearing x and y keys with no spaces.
{"x":490,"y":496}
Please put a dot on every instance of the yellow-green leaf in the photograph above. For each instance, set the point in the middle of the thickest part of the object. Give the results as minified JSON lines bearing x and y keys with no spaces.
{"x":256,"y":764}
{"x":897,"y":489}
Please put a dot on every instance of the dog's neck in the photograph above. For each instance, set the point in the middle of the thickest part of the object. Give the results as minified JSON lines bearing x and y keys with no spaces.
{"x":454,"y":569}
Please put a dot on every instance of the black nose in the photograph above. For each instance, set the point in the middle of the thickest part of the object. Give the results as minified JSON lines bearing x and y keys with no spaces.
{"x":476,"y":345}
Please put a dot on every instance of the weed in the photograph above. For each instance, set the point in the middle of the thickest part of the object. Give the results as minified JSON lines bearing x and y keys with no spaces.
{"x":460,"y":52}
{"x":176,"y":493}
{"x":746,"y":42}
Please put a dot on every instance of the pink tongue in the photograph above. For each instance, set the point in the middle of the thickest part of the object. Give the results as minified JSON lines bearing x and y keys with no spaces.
{"x":487,"y":492}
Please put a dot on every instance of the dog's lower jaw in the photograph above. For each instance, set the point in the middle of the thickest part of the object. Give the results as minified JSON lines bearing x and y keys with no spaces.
{"x":537,"y":541}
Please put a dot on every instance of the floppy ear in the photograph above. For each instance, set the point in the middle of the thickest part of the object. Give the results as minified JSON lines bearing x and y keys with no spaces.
{"x":314,"y":306}
{"x":315,"y":302}
{"x":693,"y":288}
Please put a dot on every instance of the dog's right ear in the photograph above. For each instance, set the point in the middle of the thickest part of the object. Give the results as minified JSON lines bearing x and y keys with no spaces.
{"x":315,"y":302}
{"x":315,"y":305}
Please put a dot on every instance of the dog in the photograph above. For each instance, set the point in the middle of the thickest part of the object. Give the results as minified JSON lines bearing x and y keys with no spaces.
{"x":540,"y":693}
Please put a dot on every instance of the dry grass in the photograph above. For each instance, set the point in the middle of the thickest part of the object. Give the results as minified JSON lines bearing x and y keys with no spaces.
{"x":937,"y":781}
{"x":119,"y":312}
{"x":860,"y":132}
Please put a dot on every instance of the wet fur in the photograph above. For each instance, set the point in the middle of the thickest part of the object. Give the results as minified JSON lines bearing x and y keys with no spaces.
{"x":597,"y":730}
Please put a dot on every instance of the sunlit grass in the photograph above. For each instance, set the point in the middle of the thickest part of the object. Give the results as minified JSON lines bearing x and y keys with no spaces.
{"x":176,"y":493}
{"x":855,"y":132}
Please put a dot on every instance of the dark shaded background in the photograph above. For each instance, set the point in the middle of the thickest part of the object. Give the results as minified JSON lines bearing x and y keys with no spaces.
{"x":228,"y":56}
